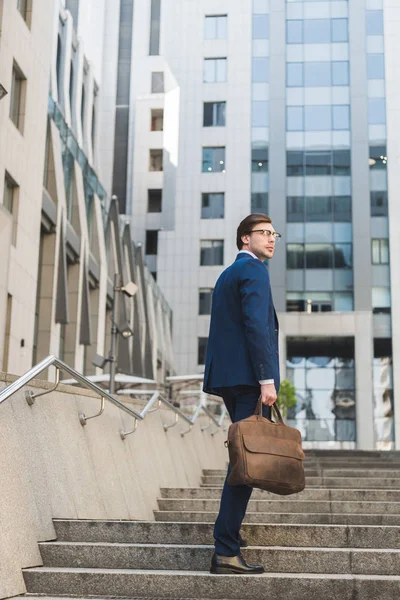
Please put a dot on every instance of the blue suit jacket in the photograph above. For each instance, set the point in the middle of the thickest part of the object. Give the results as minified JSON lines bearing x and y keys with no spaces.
{"x":243,"y":341}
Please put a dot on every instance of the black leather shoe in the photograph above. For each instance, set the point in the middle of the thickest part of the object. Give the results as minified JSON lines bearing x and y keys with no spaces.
{"x":243,"y":542}
{"x":233,"y":565}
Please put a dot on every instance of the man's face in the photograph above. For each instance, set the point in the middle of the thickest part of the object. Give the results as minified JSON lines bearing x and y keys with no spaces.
{"x":260,"y":241}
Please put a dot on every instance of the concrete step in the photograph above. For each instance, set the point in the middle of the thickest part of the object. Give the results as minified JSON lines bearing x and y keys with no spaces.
{"x":361,"y":494}
{"x":144,"y":532}
{"x":197,"y":584}
{"x":267,"y":518}
{"x":323,"y":472}
{"x":197,"y":558}
{"x":285,"y":505}
{"x":329,"y":482}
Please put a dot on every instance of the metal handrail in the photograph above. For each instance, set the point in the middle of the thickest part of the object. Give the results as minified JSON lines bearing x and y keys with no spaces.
{"x":86,"y":383}
{"x":157,"y":397}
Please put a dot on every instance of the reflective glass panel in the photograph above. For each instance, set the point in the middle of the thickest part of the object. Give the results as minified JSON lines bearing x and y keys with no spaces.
{"x":317,"y":74}
{"x":295,"y":209}
{"x":213,"y":160}
{"x":343,"y":258}
{"x":260,"y":69}
{"x":341,"y":162}
{"x":319,"y":209}
{"x":294,"y":32}
{"x":259,"y":116}
{"x":212,"y":206}
{"x":375,"y":66}
{"x":343,"y":301}
{"x":295,"y":118}
{"x":318,"y":163}
{"x":379,"y":204}
{"x":317,"y":31}
{"x":294,"y":74}
{"x":376,"y":111}
{"x":295,"y":256}
{"x":341,"y":117}
{"x":260,"y":27}
{"x":340,"y":73}
{"x":294,"y":164}
{"x":319,"y":256}
{"x":340,"y":30}
{"x":318,"y":118}
{"x":374,"y":22}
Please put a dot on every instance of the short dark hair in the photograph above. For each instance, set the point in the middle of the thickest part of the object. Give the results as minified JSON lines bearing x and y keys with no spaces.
{"x":247,"y":225}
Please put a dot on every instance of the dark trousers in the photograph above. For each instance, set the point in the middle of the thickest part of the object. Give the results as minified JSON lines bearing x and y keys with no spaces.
{"x":241,"y":403}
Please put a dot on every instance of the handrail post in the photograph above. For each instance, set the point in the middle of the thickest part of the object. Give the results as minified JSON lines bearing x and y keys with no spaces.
{"x":30,"y":395}
{"x":83,"y":418}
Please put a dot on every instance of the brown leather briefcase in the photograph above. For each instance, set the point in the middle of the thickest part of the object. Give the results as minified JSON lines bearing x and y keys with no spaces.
{"x":266,"y":455}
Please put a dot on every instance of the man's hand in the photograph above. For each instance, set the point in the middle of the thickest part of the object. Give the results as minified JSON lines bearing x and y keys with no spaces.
{"x":268,"y":394}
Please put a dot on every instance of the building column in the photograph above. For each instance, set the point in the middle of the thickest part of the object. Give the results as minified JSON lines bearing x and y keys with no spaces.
{"x":364,"y":355}
{"x":392,"y":50}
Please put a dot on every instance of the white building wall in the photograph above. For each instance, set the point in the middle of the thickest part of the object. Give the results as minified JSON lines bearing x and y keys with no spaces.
{"x":22,"y":156}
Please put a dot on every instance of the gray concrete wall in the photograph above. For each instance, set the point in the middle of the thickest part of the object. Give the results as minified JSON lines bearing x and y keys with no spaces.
{"x":53,"y":467}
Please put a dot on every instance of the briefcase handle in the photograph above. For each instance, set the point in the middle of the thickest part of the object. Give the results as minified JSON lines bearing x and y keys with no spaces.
{"x":258,"y":411}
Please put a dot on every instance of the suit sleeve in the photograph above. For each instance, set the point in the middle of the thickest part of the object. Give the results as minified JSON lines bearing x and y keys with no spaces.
{"x":255,"y":298}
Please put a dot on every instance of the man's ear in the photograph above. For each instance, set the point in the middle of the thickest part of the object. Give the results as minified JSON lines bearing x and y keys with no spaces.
{"x":245,"y":239}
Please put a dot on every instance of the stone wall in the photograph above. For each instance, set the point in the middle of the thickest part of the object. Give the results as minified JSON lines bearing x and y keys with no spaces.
{"x":53,"y":467}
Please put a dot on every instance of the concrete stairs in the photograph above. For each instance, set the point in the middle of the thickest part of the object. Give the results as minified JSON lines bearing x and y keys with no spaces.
{"x":338,"y":539}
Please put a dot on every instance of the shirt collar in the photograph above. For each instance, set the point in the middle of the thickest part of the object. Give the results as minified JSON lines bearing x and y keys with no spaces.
{"x":248,"y":252}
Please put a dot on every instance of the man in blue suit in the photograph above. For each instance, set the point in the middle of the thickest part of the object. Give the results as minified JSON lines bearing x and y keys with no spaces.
{"x":242,"y":363}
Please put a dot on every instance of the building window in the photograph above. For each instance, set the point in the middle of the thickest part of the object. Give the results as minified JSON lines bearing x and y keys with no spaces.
{"x":319,"y":302}
{"x":375,"y":66}
{"x":319,"y":256}
{"x":157,"y":119}
{"x":380,"y":251}
{"x":259,"y":159}
{"x":154,"y":201}
{"x":317,"y":31}
{"x":211,"y":252}
{"x":214,"y":70}
{"x":318,"y":209}
{"x":17,"y":97}
{"x":323,"y":374}
{"x":318,"y":118}
{"x":318,"y":163}
{"x":157,"y":82}
{"x":374,"y":22}
{"x":202,"y":350}
{"x":10,"y":202}
{"x":260,"y":70}
{"x":25,"y":8}
{"x":205,"y":299}
{"x":381,"y":303}
{"x":317,"y":74}
{"x":151,"y":241}
{"x":214,"y":114}
{"x":156,"y":160}
{"x":260,"y":27}
{"x":154,"y":49}
{"x":379,"y":204}
{"x":215,"y":27}
{"x":214,"y":160}
{"x":212,"y":205}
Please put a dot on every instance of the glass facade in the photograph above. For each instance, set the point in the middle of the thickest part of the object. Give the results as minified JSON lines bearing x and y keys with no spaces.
{"x":260,"y":107}
{"x":72,"y":151}
{"x":383,"y":395}
{"x":323,"y":374}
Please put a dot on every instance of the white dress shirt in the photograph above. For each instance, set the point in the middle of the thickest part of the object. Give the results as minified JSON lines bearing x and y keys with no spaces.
{"x":262,"y":381}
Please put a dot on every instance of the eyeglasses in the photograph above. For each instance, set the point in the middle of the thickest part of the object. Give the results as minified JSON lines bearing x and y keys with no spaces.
{"x":268,"y":233}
